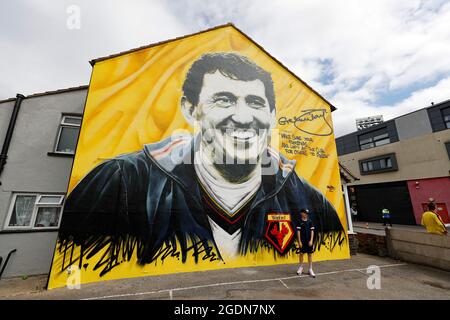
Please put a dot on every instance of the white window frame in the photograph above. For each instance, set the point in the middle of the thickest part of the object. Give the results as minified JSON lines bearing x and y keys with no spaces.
{"x":46,"y":204}
{"x":36,"y":207}
{"x":63,"y":124}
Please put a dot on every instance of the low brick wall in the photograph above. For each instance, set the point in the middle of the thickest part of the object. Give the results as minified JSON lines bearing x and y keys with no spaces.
{"x":353,"y":243}
{"x":419,"y":247}
{"x":372,"y":244}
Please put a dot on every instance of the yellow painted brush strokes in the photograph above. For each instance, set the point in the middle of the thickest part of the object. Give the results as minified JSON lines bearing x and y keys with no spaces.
{"x":134,"y":99}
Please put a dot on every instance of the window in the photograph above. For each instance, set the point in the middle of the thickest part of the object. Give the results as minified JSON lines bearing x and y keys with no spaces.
{"x":46,"y":199}
{"x":447,"y":146}
{"x":384,"y":163}
{"x":374,"y":139}
{"x":35,"y":211}
{"x":446,"y":116}
{"x":22,"y":211}
{"x":378,"y":164}
{"x":365,"y":167}
{"x":68,"y":134}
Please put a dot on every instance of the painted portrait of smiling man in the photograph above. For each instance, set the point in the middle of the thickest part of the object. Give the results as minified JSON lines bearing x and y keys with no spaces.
{"x":211,"y":195}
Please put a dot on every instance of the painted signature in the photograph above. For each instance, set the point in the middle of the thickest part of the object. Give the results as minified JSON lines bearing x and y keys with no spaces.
{"x":308,"y":115}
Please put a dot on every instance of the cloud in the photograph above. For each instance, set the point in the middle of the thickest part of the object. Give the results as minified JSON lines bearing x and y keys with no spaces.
{"x":355,"y":107}
{"x":39,"y":52}
{"x":355,"y":53}
{"x":373,"y":57}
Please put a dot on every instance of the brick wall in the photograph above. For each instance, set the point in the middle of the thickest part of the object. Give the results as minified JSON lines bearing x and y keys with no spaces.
{"x":372,"y":244}
{"x":353,"y":243}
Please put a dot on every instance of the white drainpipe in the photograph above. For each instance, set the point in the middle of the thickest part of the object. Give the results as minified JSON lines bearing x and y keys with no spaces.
{"x":347,"y":209}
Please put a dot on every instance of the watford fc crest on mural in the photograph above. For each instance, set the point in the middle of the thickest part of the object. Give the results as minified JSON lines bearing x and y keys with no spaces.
{"x":279,"y":230}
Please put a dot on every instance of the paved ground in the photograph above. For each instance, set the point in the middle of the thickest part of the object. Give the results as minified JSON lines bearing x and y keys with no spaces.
{"x":344,"y":279}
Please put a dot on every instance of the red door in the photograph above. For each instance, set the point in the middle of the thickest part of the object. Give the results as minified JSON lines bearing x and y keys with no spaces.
{"x":441,"y":211}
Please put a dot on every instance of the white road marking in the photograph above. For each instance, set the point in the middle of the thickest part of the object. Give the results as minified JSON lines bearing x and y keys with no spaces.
{"x":363,"y":272}
{"x":170,"y":291}
{"x":284,"y":284}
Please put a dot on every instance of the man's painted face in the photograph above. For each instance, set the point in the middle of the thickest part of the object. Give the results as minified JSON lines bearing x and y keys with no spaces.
{"x":235,"y":118}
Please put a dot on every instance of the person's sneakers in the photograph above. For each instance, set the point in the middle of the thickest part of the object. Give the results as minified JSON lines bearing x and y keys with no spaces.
{"x":300,"y":270}
{"x":311,"y":273}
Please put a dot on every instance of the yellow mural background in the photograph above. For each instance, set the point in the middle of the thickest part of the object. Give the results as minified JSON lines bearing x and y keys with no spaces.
{"x":134,"y":99}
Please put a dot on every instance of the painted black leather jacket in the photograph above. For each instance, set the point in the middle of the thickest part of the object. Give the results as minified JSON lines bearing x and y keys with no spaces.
{"x":150,"y":200}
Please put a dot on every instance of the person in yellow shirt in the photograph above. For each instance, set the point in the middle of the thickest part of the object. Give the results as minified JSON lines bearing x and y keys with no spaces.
{"x":432,"y":221}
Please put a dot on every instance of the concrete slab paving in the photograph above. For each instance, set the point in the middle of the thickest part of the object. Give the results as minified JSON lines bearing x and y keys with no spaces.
{"x":19,"y":286}
{"x":341,"y":279}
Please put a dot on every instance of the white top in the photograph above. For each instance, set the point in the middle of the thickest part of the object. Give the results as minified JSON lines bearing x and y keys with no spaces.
{"x":230,"y":196}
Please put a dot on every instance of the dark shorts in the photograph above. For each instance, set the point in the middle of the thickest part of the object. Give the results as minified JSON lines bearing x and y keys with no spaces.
{"x":306,"y":248}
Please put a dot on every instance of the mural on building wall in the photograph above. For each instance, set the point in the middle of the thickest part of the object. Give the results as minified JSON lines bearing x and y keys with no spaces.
{"x":198,"y":154}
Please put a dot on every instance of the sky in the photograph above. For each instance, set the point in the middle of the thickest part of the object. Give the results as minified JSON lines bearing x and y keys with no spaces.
{"x":384,"y":57}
